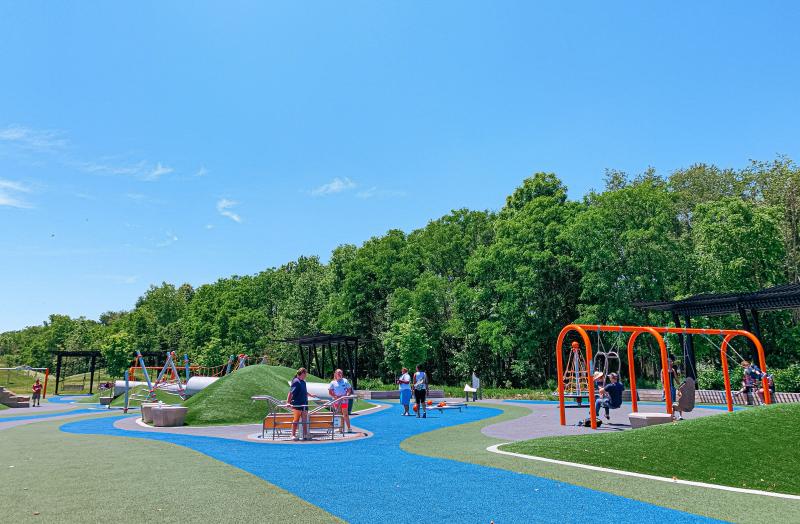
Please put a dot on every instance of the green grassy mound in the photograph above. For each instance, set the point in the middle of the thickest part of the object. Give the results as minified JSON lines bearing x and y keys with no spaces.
{"x":20,"y":381}
{"x":94,"y":399}
{"x":754,"y":448}
{"x":2,"y":407}
{"x":141,"y":391}
{"x":227,"y":401}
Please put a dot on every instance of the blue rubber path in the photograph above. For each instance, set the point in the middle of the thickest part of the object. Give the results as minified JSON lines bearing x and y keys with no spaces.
{"x":383,"y":483}
{"x":66,"y":399}
{"x":49,"y":415}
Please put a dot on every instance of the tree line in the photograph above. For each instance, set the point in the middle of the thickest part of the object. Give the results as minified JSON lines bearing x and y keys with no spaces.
{"x":485,"y":290}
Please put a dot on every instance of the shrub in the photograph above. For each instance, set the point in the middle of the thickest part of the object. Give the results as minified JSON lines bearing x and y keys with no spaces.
{"x":709,"y":377}
{"x":787,"y":379}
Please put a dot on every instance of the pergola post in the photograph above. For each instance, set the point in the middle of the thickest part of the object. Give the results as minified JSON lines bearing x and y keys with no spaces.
{"x":92,"y":363}
{"x":58,"y":371}
{"x":691,"y":368}
{"x":756,"y":331}
{"x":746,"y":326}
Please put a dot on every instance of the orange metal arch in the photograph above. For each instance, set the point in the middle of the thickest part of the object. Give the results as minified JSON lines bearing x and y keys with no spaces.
{"x":560,"y":367}
{"x":581,"y":329}
{"x":723,"y":353}
{"x":656,"y":332}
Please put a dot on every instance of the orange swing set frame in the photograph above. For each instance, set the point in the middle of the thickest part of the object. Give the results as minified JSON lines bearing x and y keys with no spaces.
{"x":656,"y":332}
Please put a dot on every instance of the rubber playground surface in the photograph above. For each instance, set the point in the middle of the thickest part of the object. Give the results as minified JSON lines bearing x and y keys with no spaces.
{"x":392,"y":475}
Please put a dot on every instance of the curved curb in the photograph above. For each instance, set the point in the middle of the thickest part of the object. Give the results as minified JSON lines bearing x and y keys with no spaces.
{"x":494,"y":449}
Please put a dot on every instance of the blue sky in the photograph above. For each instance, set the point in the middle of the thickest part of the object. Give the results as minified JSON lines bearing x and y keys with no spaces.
{"x":189,"y":141}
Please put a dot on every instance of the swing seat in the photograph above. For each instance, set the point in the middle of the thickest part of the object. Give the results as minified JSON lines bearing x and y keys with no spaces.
{"x":640,"y":420}
{"x":686,"y":396}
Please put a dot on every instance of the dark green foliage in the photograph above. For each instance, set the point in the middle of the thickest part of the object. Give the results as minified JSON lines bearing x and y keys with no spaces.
{"x":484,"y":291}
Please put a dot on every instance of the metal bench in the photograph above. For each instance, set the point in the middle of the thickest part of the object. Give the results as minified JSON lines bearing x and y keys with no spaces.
{"x":322,"y":419}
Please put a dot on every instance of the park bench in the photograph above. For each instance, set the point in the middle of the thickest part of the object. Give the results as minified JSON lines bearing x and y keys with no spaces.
{"x":280,"y":424}
{"x":441,"y":406}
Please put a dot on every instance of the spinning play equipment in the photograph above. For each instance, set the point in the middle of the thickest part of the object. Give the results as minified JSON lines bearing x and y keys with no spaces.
{"x":634,"y":331}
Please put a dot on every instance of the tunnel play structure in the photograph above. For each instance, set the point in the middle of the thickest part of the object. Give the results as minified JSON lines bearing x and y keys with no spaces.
{"x":574,"y":375}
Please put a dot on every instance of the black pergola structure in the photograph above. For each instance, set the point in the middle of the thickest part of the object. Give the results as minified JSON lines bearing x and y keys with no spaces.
{"x":317,"y":351}
{"x":746,"y":305}
{"x":93,"y":355}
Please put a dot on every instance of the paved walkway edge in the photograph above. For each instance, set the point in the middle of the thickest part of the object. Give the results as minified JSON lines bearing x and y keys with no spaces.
{"x":494,"y":449}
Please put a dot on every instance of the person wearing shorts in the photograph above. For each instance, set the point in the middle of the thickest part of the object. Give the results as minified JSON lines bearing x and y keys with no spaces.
{"x":404,"y":383}
{"x":298,"y":400}
{"x":37,"y":393}
{"x":340,"y":387}
{"x":421,"y":391}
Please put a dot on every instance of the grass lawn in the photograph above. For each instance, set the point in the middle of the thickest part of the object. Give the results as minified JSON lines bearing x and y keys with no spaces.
{"x":52,"y":476}
{"x":20,"y":381}
{"x":2,"y":407}
{"x":227,"y":401}
{"x":754,"y":448}
{"x":79,"y":383}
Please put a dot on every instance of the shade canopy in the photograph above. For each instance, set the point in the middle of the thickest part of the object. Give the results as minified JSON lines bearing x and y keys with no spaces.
{"x":716,"y":304}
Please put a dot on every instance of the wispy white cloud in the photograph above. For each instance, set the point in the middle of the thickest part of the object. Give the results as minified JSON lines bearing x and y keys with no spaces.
{"x":171,"y":239}
{"x":224,"y":208}
{"x":209,"y":226}
{"x":142,"y":170}
{"x":157,"y":172}
{"x":33,"y":139}
{"x":375,"y":192}
{"x":201,"y":172}
{"x":10,"y":194}
{"x":337,"y":185}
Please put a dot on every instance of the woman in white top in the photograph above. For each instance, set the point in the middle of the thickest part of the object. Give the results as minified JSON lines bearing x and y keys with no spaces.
{"x":338,"y":388}
{"x":404,"y":383}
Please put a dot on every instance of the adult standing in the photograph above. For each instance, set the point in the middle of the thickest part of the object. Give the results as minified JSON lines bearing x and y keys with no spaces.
{"x":404,"y":383}
{"x":421,"y":391}
{"x":37,"y":393}
{"x":298,"y":399}
{"x":338,"y":388}
{"x":672,"y":374}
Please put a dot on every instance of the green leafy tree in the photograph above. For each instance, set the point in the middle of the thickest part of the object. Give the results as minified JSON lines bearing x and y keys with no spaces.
{"x":526,"y":281}
{"x":118,"y":352}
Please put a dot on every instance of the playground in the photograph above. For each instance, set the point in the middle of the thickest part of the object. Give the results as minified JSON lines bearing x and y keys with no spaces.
{"x":491,"y":461}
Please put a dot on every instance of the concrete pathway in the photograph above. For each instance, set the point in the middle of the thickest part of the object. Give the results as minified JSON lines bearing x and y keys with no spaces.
{"x":544,"y":420}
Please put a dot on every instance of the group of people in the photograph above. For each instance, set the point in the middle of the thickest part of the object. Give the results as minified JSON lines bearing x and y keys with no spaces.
{"x":752,"y":380}
{"x":419,"y":389}
{"x":339,"y":389}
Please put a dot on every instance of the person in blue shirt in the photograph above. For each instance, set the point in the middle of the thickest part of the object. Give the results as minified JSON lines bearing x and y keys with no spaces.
{"x":610,"y":396}
{"x":298,"y":400}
